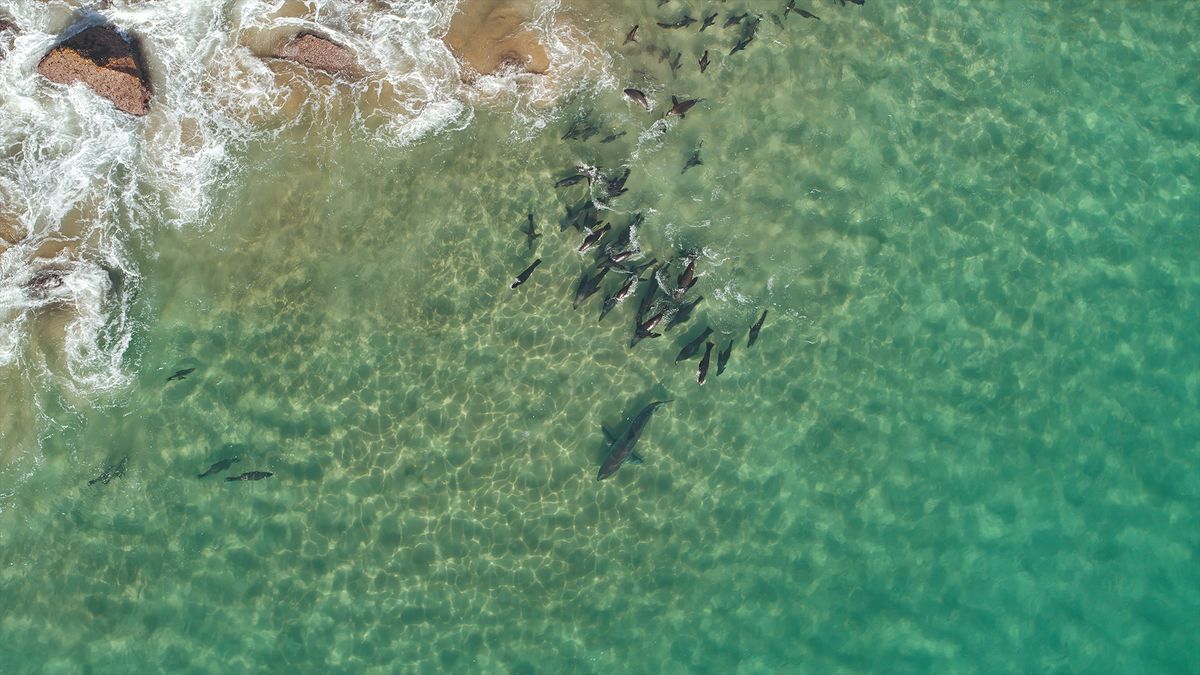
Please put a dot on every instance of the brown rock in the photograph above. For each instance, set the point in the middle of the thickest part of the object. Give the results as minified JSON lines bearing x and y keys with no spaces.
{"x":314,"y":51}
{"x":105,"y":61}
{"x":7,"y":29}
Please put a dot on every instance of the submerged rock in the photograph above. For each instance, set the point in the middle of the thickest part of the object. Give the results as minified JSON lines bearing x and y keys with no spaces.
{"x":45,"y":281}
{"x":7,"y":30}
{"x":492,"y":36}
{"x":314,"y":51}
{"x":104,"y":60}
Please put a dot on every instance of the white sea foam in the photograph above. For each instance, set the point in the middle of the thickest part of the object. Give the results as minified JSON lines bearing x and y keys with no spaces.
{"x":78,"y":177}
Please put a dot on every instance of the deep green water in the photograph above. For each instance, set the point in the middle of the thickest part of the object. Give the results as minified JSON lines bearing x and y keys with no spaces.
{"x":967,"y":440}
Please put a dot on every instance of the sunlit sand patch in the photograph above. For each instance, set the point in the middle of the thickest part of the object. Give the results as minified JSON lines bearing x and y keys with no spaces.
{"x":499,"y":43}
{"x":11,"y":232}
{"x":492,"y":37}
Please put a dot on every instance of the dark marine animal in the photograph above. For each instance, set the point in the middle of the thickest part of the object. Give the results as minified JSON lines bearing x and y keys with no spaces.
{"x":637,"y":270}
{"x":251,"y":475}
{"x":675,"y":62}
{"x":110,"y":472}
{"x":595,"y":236}
{"x":620,"y":449}
{"x":681,"y":107}
{"x":220,"y":466}
{"x":581,"y":216}
{"x":588,"y":286}
{"x":702,"y":371}
{"x":807,"y":15}
{"x":755,"y":328}
{"x":687,"y":279}
{"x":689,"y":350}
{"x":616,"y":186}
{"x":741,"y":44}
{"x":524,"y":275}
{"x":703,"y":61}
{"x":723,"y":357}
{"x":682,"y":22}
{"x":631,"y":36}
{"x":531,"y":234}
{"x":645,"y":329}
{"x":651,"y":293}
{"x":683,"y":313}
{"x":694,"y":160}
{"x":180,"y":374}
{"x":734,"y":19}
{"x":612,"y":137}
{"x":569,"y":180}
{"x":621,"y":293}
{"x":615,"y":259}
{"x":708,"y":21}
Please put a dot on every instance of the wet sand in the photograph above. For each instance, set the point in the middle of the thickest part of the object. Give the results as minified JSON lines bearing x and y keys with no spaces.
{"x":493,"y":36}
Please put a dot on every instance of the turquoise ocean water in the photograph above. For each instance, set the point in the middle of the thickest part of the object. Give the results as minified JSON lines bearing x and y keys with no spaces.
{"x":966,"y":441}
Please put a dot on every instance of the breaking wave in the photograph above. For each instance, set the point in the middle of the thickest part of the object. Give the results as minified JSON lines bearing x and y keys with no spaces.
{"x":81,"y":183}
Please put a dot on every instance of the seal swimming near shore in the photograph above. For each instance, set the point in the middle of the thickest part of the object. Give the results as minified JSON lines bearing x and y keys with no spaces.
{"x":651,"y":292}
{"x":755,"y":328}
{"x":686,"y":279}
{"x":524,"y":275}
{"x":645,"y":329}
{"x":682,"y":22}
{"x":683,"y":313}
{"x":587,"y":287}
{"x":681,"y":107}
{"x":613,"y":300}
{"x":694,"y":159}
{"x":251,"y":475}
{"x":723,"y":357}
{"x":638,"y":97}
{"x":220,"y":466}
{"x":110,"y":472}
{"x":689,"y":350}
{"x":702,"y":372}
{"x":180,"y":374}
{"x":593,"y":237}
{"x":621,"y":449}
{"x":531,"y":234}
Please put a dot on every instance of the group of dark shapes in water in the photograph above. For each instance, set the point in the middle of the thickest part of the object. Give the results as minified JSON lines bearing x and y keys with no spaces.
{"x":117,"y":470}
{"x":749,"y":29}
{"x":661,"y":302}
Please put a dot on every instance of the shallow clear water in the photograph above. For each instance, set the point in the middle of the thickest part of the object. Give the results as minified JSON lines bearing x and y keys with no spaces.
{"x":965,"y":441}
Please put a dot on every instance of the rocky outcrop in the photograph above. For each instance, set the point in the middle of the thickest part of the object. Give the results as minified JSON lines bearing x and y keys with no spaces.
{"x":314,"y":51}
{"x":7,"y":30}
{"x":104,"y":60}
{"x":491,"y":36}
